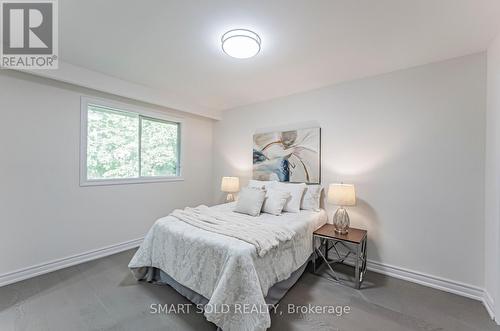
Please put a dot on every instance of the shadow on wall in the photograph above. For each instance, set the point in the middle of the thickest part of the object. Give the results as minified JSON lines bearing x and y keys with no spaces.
{"x":365,"y":216}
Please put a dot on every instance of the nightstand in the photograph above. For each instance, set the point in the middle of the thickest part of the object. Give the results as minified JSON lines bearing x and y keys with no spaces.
{"x":353,"y":243}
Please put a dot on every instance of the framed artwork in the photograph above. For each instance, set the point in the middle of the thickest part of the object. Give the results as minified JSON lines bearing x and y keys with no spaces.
{"x":288,"y":156}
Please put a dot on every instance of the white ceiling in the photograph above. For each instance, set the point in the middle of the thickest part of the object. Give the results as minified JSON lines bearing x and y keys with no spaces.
{"x":174,"y":46}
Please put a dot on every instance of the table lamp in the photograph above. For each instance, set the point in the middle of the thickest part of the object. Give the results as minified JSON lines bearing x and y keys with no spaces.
{"x":230,"y":185}
{"x":341,"y":195}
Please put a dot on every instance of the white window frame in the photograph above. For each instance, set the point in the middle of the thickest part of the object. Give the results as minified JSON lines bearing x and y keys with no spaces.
{"x":124,"y":107}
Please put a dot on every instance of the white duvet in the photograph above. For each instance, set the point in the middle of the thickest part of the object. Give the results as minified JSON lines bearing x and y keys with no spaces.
{"x":226,"y":270}
{"x":264,"y":236}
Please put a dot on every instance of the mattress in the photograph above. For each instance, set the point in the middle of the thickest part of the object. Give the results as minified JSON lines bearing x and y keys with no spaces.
{"x":224,"y":269}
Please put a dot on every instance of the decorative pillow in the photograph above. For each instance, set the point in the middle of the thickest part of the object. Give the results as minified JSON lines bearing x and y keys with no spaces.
{"x":311,"y":198}
{"x":275,"y":201}
{"x":262,"y":184}
{"x":296,"y":192}
{"x":250,"y":201}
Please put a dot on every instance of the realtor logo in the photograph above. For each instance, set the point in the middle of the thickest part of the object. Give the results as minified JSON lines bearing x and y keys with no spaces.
{"x":29,"y":34}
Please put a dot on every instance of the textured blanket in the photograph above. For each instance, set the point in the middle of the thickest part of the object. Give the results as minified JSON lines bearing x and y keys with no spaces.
{"x":226,"y":270}
{"x":264,"y":236}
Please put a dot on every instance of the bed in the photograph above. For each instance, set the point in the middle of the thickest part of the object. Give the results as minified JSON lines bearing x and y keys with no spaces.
{"x":224,"y":273}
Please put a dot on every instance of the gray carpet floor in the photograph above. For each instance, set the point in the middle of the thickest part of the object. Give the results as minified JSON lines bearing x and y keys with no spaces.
{"x":103,"y":295}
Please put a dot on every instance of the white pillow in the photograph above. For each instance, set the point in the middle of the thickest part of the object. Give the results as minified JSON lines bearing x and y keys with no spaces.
{"x":250,"y":201}
{"x":275,"y":201}
{"x":311,"y":198}
{"x":296,"y":192}
{"x":262,"y":184}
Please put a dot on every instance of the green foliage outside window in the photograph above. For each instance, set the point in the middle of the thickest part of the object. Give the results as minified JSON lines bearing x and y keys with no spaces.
{"x":158,"y":148}
{"x":127,"y":145}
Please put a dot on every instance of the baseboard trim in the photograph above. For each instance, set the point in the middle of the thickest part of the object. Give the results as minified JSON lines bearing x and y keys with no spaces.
{"x":439,"y":283}
{"x":443,"y":284}
{"x":489,"y":304}
{"x":40,"y":269}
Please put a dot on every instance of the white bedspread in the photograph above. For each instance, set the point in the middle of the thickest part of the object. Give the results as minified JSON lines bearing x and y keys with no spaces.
{"x":263,"y":235}
{"x":226,"y":270}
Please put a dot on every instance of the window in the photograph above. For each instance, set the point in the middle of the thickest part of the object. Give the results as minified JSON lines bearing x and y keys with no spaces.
{"x":125,"y":145}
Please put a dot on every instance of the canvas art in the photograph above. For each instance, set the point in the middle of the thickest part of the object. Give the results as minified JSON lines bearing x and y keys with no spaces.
{"x":288,"y":156}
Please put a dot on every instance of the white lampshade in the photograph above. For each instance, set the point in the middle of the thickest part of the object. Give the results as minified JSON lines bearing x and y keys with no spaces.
{"x":230,"y":184}
{"x":342,"y":195}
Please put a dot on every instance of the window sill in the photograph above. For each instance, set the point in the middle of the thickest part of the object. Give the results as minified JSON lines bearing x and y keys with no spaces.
{"x":107,"y":182}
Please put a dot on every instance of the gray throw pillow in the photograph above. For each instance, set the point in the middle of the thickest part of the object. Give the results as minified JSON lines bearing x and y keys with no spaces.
{"x":311,"y":199}
{"x":250,"y":201}
{"x":275,"y":201}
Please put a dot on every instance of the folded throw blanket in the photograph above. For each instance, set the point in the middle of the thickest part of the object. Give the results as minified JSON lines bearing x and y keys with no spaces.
{"x":262,"y":235}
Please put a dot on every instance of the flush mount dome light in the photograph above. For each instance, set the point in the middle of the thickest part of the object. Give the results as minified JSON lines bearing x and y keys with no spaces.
{"x":241,"y":43}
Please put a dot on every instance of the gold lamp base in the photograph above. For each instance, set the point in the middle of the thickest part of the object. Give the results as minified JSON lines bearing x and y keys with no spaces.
{"x":341,"y":221}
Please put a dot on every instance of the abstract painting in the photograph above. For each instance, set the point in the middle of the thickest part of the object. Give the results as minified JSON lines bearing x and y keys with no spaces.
{"x":288,"y":156}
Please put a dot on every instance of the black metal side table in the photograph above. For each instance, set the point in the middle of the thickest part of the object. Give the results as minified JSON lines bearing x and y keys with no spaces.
{"x":353,"y":242}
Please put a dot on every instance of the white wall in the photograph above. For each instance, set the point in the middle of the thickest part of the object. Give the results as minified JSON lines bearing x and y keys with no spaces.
{"x":411,"y":141}
{"x":44,"y":213}
{"x":492,"y":197}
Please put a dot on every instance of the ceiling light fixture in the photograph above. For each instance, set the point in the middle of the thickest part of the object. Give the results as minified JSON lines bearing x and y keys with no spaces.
{"x":241,"y":43}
